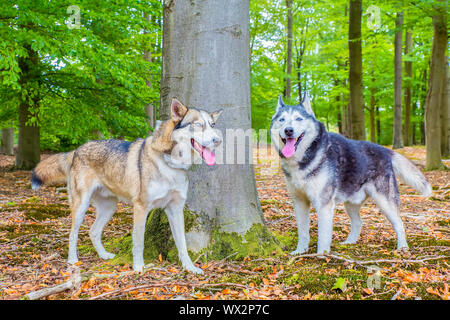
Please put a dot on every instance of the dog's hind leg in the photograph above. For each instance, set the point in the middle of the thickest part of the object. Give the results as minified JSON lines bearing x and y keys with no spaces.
{"x":301,"y":208}
{"x":175,"y":215}
{"x":105,"y":208}
{"x":356,"y":222}
{"x":391,"y":210}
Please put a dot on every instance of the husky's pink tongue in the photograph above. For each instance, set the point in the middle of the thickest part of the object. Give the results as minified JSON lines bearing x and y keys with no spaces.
{"x":209,"y":156}
{"x":289,"y":147}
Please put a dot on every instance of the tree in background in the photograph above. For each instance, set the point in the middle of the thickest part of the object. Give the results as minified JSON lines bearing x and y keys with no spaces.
{"x":356,"y":114}
{"x":436,"y":88}
{"x":398,"y":135}
{"x":288,"y":88}
{"x":7,"y":141}
{"x":81,"y":65}
{"x":407,"y":135}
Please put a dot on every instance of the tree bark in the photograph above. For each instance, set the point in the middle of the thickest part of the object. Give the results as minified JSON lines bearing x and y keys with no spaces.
{"x":28,"y":151}
{"x":150,"y":111}
{"x":378,"y":124}
{"x":398,"y":138}
{"x":289,"y":49}
{"x":435,"y":87}
{"x":206,"y":64}
{"x":445,"y":114}
{"x":372,"y":116}
{"x":7,"y":146}
{"x":356,"y":114}
{"x":372,"y":105}
{"x":422,"y":105}
{"x":407,"y":135}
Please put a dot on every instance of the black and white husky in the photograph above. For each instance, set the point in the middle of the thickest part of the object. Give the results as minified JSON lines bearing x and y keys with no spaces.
{"x":326,"y":168}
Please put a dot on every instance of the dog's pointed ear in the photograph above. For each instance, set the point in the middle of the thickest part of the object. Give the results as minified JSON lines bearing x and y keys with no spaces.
{"x":177,"y":110}
{"x":280,"y":103}
{"x":307,"y":104}
{"x":215,"y":115}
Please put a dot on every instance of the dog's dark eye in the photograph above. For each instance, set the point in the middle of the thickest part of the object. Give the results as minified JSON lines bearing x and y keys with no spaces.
{"x":212,"y":125}
{"x":299,"y":119}
{"x":281,"y":120}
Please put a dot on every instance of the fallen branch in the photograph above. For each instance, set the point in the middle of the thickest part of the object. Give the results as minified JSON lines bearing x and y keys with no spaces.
{"x":156,"y":285}
{"x":74,"y":282}
{"x":363,"y":262}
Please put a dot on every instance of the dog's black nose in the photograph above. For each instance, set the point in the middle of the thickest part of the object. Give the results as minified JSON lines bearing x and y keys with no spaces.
{"x":289,"y":131}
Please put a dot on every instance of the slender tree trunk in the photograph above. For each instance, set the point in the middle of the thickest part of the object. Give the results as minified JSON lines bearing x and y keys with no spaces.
{"x":289,"y":49}
{"x":150,"y":111}
{"x":445,"y":114}
{"x":338,"y":110}
{"x":408,"y":93}
{"x":372,"y":115}
{"x":378,"y":124}
{"x":372,"y":105}
{"x":435,"y":87}
{"x":206,"y":64}
{"x":28,"y":151}
{"x":422,"y":104}
{"x":7,"y":146}
{"x":398,"y":139}
{"x":356,"y":115}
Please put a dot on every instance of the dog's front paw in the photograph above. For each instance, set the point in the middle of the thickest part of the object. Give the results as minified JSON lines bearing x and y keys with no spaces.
{"x":194,"y":269}
{"x":298,"y":252}
{"x":138,"y":268}
{"x":402,"y":248}
{"x":349,"y":241}
{"x":107,"y":255}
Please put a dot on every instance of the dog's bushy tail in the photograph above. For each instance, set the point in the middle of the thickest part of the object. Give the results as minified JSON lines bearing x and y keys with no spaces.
{"x":51,"y":170}
{"x":410,"y":174}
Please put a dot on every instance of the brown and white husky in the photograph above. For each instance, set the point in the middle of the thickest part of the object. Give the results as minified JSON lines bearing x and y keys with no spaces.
{"x":149,"y":173}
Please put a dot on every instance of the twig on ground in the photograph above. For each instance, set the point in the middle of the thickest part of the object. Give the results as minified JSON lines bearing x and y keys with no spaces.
{"x":72,"y":283}
{"x":362,"y":262}
{"x":156,"y":285}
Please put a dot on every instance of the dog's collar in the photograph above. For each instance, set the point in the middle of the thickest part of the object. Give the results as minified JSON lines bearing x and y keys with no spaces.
{"x":168,"y":159}
{"x":179,"y":126}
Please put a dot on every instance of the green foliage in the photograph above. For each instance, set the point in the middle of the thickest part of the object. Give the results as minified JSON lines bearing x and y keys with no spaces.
{"x":321,"y":30}
{"x":92,"y":82}
{"x":89,"y":82}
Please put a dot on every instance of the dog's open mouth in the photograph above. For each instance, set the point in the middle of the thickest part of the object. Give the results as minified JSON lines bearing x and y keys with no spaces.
{"x":206,"y":154}
{"x":290,"y":145}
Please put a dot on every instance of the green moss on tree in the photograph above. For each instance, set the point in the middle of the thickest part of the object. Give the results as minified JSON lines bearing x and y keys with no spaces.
{"x":257,"y":241}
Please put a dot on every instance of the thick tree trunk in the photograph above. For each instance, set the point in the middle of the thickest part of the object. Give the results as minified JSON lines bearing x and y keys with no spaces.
{"x":435,"y":87}
{"x":356,"y":115}
{"x":398,"y":137}
{"x":28,"y":151}
{"x":206,"y":65}
{"x":289,"y":49}
{"x":7,"y":145}
{"x":407,"y":135}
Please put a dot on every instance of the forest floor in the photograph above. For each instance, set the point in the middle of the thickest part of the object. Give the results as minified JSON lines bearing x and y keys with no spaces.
{"x":34,"y":228}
